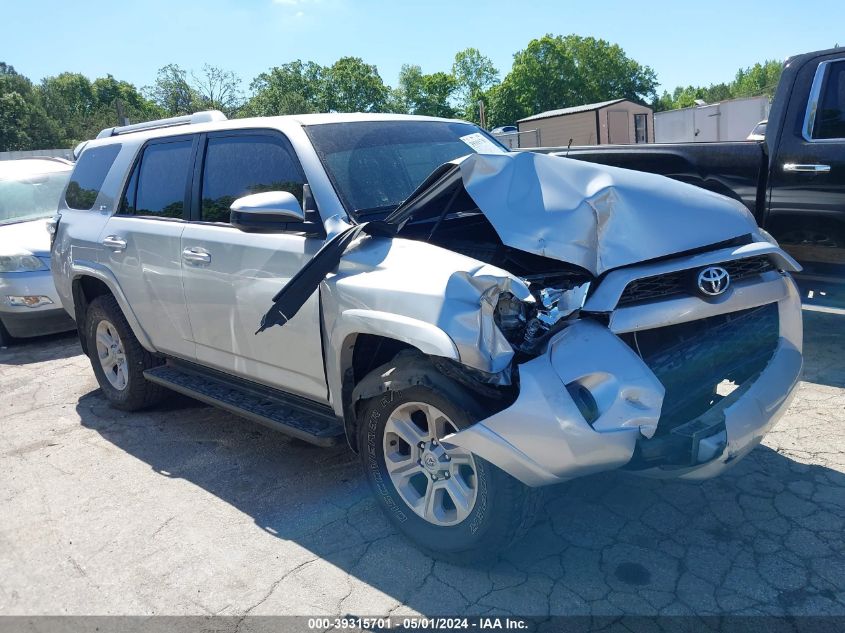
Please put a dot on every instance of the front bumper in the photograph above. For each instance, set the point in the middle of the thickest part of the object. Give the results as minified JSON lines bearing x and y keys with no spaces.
{"x":543,"y":438}
{"x":22,"y":321}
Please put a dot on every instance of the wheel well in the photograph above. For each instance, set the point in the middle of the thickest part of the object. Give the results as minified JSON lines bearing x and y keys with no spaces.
{"x":85,"y":290}
{"x":368,"y":351}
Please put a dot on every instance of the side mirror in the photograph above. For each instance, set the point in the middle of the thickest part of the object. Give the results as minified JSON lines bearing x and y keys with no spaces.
{"x":270,"y":211}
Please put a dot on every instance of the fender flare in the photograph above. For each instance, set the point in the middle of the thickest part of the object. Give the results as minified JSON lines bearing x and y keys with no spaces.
{"x":339,"y":344}
{"x":427,"y":338}
{"x":81,"y":268}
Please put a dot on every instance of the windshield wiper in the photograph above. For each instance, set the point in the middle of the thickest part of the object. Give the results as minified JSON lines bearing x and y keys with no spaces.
{"x":443,"y":213}
{"x":370,"y":211}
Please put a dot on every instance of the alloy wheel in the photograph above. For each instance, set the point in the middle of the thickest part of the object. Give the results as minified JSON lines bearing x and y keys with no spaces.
{"x":439,"y":485}
{"x":111,"y":355}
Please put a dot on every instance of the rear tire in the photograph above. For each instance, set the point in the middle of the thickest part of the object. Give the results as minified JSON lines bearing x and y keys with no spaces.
{"x":118,"y":359}
{"x":457,"y":506}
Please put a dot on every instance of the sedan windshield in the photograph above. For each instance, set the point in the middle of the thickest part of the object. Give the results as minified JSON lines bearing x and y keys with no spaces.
{"x":375,"y":165}
{"x":30,"y":196}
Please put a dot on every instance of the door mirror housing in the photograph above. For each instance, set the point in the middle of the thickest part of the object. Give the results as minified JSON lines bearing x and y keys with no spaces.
{"x":269,"y":211}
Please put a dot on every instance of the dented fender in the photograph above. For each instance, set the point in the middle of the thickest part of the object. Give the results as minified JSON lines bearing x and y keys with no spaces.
{"x":435,"y":300}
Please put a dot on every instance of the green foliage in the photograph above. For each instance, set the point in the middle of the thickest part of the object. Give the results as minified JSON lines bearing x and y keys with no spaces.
{"x":474,"y":75}
{"x":561,"y":71}
{"x":426,"y":94}
{"x":171,"y":91}
{"x":292,"y":88}
{"x":758,"y":80}
{"x":348,"y":85}
{"x":352,"y":86}
{"x":23,"y":122}
{"x":551,"y":72}
{"x":217,"y":89}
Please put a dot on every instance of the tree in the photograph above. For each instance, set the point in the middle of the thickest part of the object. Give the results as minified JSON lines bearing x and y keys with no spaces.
{"x":353,"y":86}
{"x":561,"y":71}
{"x":69,"y":99}
{"x":171,"y":91}
{"x":759,"y":79}
{"x":426,"y":94}
{"x":756,"y":80}
{"x":292,"y":88}
{"x":474,"y":75}
{"x":23,"y":122}
{"x":217,"y":89}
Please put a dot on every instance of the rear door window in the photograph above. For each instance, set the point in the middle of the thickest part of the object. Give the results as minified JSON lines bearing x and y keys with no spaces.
{"x":243,"y":164}
{"x":158,"y":185}
{"x":88,"y":176}
{"x":830,"y":116}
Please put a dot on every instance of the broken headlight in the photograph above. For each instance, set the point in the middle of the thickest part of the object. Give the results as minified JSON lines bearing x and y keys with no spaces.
{"x":528,"y":327}
{"x":510,"y":317}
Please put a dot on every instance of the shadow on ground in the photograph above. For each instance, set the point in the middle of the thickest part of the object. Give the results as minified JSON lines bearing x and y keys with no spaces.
{"x":765,"y":538}
{"x":40,"y":349}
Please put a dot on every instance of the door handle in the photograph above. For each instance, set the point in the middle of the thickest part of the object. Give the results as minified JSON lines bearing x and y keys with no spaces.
{"x":196,"y":255}
{"x":812,"y":169}
{"x":114,"y":242}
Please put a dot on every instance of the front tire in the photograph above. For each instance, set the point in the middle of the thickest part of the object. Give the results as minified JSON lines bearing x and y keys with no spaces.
{"x":118,"y":359}
{"x":451,"y":503}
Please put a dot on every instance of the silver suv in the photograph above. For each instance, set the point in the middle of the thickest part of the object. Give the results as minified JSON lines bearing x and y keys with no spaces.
{"x":475,"y":323}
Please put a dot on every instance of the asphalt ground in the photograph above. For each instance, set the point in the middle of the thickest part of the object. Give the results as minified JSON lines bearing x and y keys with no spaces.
{"x":186,"y":509}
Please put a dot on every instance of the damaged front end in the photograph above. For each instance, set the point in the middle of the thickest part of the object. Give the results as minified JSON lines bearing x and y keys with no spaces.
{"x":567,"y":286}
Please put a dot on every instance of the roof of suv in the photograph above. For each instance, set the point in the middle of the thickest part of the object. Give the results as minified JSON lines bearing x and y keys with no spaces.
{"x":275,"y":122}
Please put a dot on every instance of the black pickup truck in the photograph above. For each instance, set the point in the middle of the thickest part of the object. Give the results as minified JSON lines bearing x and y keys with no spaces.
{"x":793,"y":181}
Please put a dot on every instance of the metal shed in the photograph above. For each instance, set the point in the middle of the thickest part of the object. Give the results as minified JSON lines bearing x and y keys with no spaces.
{"x":618,"y":121}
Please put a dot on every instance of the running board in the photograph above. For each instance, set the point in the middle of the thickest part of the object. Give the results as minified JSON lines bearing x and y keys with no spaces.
{"x":295,"y":416}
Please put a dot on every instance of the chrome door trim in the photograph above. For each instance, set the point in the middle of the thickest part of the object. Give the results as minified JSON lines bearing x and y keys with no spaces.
{"x":813,"y":103}
{"x":806,"y":168}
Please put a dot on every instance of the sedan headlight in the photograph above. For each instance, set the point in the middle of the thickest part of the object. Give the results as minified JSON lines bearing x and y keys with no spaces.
{"x":21,"y":264}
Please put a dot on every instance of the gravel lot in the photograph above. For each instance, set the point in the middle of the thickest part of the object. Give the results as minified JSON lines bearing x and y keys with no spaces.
{"x":187,"y":510}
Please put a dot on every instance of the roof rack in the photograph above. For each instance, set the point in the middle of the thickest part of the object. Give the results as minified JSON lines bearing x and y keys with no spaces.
{"x":206,"y":116}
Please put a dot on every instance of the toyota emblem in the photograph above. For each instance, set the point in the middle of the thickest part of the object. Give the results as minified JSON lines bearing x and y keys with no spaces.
{"x":713,"y":281}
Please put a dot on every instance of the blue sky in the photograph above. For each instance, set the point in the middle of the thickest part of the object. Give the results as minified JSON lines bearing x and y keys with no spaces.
{"x":685,"y":42}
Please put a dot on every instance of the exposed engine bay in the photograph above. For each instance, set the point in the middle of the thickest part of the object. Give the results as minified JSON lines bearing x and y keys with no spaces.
{"x":558,"y":289}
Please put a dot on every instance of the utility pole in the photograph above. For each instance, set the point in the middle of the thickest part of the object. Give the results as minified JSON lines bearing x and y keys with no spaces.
{"x":482,"y":115}
{"x":121,"y":115}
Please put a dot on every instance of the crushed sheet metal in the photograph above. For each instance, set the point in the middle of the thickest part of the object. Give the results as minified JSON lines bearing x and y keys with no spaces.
{"x":452,"y":292}
{"x":545,"y":423}
{"x":595,"y":216}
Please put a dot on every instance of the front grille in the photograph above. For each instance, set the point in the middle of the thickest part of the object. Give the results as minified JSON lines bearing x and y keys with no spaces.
{"x":682,"y":282}
{"x":692,"y":359}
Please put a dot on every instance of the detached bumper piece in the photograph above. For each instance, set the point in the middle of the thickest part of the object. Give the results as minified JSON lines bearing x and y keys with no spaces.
{"x":705,"y":366}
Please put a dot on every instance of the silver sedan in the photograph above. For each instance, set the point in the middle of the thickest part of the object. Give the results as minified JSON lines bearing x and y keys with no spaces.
{"x":29,"y":196}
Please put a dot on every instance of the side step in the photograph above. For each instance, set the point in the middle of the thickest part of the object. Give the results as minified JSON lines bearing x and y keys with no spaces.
{"x":295,"y":416}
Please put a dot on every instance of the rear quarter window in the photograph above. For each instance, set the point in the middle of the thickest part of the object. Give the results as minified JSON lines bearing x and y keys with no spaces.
{"x":830,"y":116}
{"x":88,"y":176}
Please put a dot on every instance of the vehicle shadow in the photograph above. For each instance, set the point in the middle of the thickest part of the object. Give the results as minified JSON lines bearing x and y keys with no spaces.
{"x":40,"y":349}
{"x":765,"y":538}
{"x":824,"y":344}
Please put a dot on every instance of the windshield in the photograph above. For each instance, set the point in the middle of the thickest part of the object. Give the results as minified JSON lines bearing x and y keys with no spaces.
{"x":375,"y":165}
{"x":30,"y":196}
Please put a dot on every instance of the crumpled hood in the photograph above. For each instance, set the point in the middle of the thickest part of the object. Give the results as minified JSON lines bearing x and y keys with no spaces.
{"x":30,"y":236}
{"x":593,"y":216}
